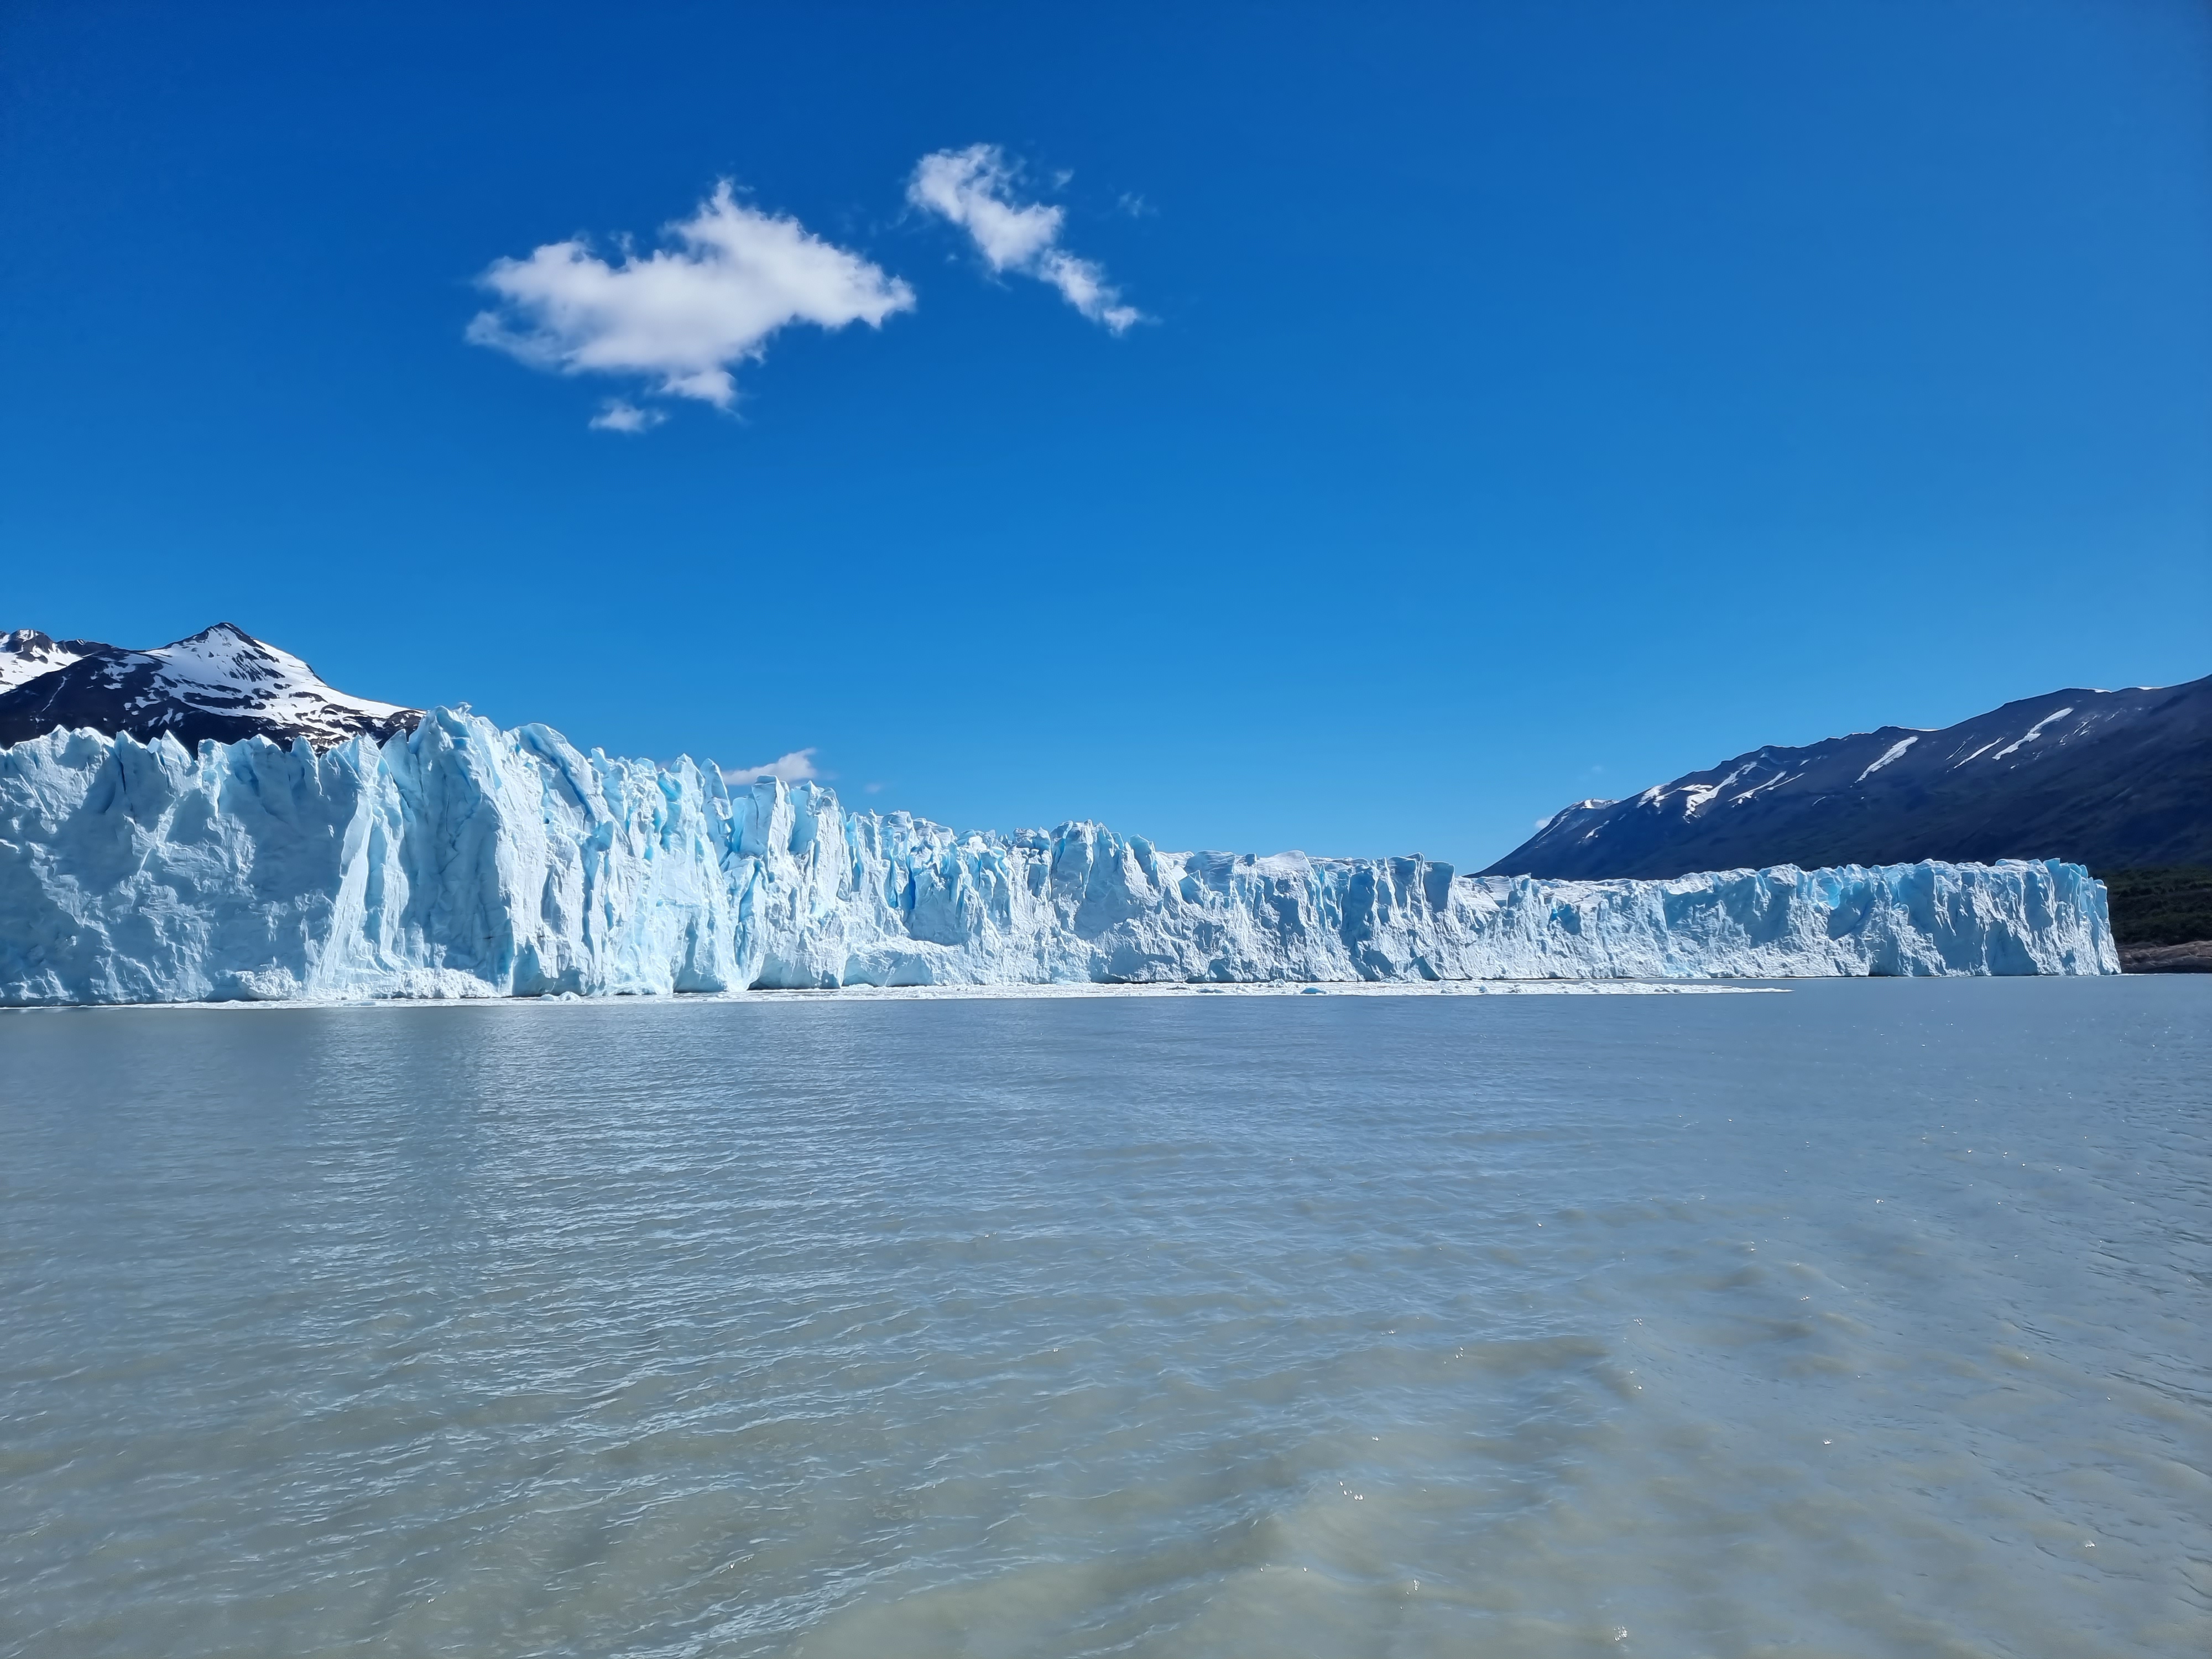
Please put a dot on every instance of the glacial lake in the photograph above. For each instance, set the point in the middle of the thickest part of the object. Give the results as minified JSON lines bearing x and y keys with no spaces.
{"x":1872,"y":1318}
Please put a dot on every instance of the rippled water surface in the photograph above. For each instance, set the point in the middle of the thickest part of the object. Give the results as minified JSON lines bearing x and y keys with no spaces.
{"x":1871,"y":1319}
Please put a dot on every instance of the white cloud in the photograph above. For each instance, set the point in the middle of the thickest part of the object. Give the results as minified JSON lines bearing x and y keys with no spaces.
{"x":620,"y":415}
{"x":681,"y":317}
{"x":797,"y":767}
{"x":974,"y":189}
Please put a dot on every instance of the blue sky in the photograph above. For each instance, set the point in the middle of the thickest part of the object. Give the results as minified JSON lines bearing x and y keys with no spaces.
{"x":1470,"y":409}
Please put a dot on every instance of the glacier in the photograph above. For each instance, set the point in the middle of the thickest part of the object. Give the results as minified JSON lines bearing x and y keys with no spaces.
{"x":461,"y":860}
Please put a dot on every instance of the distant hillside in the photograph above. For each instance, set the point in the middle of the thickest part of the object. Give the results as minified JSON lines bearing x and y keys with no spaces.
{"x":2114,"y":780}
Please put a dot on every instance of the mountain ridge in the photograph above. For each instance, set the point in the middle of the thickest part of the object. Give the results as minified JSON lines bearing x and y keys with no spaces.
{"x":2111,"y":779}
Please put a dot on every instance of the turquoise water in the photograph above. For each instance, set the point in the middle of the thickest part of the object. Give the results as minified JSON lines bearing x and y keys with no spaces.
{"x":1869,"y":1319}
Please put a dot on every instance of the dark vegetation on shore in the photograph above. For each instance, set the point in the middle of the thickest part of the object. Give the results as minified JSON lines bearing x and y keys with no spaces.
{"x":2161,"y":917}
{"x":2166,"y":904}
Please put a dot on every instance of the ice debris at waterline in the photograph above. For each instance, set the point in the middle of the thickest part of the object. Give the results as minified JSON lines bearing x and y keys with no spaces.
{"x":462,"y":861}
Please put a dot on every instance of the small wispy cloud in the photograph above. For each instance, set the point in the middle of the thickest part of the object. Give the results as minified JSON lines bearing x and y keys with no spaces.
{"x":797,"y":767}
{"x":681,"y":317}
{"x":976,"y":188}
{"x":620,"y":415}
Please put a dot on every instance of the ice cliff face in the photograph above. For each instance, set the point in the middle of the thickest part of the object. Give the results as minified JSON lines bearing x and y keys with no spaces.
{"x":459,"y":860}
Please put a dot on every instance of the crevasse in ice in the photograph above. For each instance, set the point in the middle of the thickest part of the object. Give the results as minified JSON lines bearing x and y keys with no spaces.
{"x":465,"y":860}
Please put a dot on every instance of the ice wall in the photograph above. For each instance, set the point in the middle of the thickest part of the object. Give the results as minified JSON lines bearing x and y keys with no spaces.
{"x":465,"y":860}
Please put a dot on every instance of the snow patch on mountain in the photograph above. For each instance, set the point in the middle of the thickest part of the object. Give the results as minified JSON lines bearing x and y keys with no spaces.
{"x":27,"y":654}
{"x":1893,"y":752}
{"x":2034,"y":731}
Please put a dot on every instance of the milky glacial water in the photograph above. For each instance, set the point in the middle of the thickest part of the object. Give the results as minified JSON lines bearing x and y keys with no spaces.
{"x":1871,"y":1319}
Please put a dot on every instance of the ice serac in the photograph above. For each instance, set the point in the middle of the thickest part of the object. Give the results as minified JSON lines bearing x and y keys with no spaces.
{"x":461,"y":861}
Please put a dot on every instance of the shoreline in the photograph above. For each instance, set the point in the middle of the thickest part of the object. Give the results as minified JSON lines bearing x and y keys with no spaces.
{"x":969,"y":993}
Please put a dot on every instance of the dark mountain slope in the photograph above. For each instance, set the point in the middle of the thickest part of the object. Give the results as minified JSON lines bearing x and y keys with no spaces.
{"x":2108,"y":779}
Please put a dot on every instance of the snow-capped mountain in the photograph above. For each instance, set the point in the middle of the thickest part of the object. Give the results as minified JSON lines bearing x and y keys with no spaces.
{"x":2112,"y":779}
{"x":222,"y":683}
{"x":27,"y":654}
